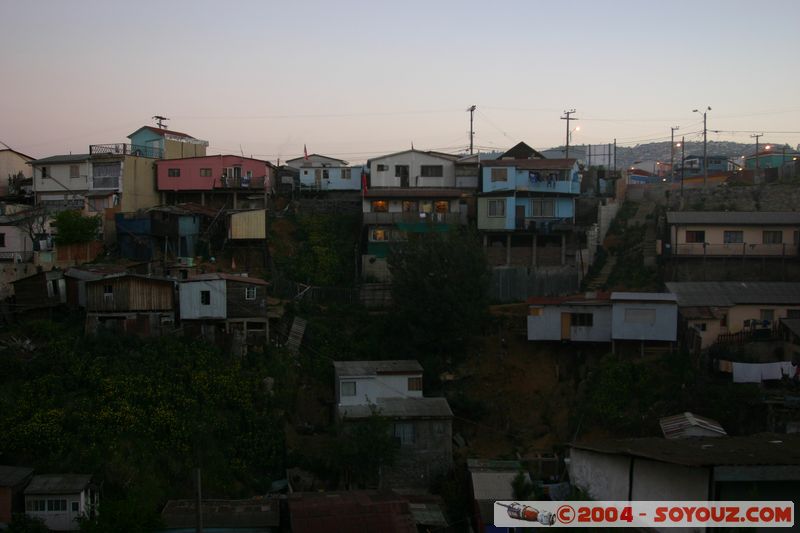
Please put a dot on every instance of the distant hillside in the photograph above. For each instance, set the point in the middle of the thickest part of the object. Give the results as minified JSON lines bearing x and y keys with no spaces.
{"x":660,"y":151}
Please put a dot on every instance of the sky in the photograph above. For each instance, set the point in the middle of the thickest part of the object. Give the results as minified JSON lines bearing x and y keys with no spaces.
{"x":355,"y":79}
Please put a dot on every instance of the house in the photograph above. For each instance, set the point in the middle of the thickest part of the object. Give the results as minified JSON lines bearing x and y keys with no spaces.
{"x":216,"y":181}
{"x":709,"y":309}
{"x":742,"y":234}
{"x":225,"y":304}
{"x":526,"y":208}
{"x":693,"y":165}
{"x":13,"y":169}
{"x":179,"y":230}
{"x":59,"y":500}
{"x":61,"y":181}
{"x":412,"y":192}
{"x":130,"y":303}
{"x":604,"y":317}
{"x":369,"y":511}
{"x":17,"y":225}
{"x":76,"y":277}
{"x":761,"y":467}
{"x":253,"y":515}
{"x":489,"y":482}
{"x":40,"y":290}
{"x":323,"y":173}
{"x":422,"y":426}
{"x":772,"y":158}
{"x":161,"y":143}
{"x":13,"y":480}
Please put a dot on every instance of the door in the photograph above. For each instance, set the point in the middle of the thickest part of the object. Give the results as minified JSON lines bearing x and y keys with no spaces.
{"x":401,"y":171}
{"x":318,"y":178}
{"x":519,"y":217}
{"x":566,"y":324}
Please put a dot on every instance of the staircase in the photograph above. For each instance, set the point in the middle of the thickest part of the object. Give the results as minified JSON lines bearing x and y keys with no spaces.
{"x":296,"y":334}
{"x":599,"y":281}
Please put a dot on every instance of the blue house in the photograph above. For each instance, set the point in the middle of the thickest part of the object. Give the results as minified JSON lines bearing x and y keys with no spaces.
{"x":162,"y":143}
{"x":526,"y":208}
{"x":324,"y":173}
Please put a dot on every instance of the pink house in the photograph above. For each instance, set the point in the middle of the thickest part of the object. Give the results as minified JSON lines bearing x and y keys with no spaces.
{"x":216,"y":180}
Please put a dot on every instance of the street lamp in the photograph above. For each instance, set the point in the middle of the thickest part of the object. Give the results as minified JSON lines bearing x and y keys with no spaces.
{"x":705,"y":144}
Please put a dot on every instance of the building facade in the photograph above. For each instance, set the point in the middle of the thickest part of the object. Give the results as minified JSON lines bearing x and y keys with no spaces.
{"x":323,"y":173}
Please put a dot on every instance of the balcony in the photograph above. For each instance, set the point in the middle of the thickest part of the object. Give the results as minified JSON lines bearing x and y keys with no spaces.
{"x":126,"y":149}
{"x":239,"y":182}
{"x":411,"y":218}
{"x":105,"y":183}
{"x":734,"y":250}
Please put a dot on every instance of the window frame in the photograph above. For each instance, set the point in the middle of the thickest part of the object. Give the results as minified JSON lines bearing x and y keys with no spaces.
{"x":347,"y":173}
{"x":695,"y":234}
{"x":775,"y":236}
{"x":584,"y":320}
{"x":205,"y":172}
{"x":77,"y":172}
{"x":733,"y":237}
{"x":247,"y":292}
{"x":374,"y":204}
{"x":414,"y":384}
{"x":173,"y":172}
{"x":407,"y":434}
{"x":344,"y":389}
{"x":495,"y":203}
{"x":498,"y":174}
{"x":205,"y":297}
{"x":431,"y":171}
{"x":537,"y":207}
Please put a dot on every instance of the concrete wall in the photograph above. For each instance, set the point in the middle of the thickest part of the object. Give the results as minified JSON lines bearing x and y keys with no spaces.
{"x":547,"y":326}
{"x":664,"y":327}
{"x":59,"y":180}
{"x":420,"y":463}
{"x":414,"y":160}
{"x":654,"y":480}
{"x":369,"y":388}
{"x":601,"y":476}
{"x":191,"y":307}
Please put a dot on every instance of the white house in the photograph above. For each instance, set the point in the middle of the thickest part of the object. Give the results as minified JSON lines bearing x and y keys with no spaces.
{"x":364,"y":382}
{"x":578,"y":318}
{"x":644,"y":316}
{"x":60,"y":499}
{"x":62,"y":180}
{"x":326,"y":173}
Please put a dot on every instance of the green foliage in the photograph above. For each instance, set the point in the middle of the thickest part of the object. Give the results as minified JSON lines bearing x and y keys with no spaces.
{"x":522,"y":488}
{"x":74,"y":228}
{"x":140,"y":415}
{"x":362,"y":447}
{"x":22,"y":523}
{"x":440,"y":296}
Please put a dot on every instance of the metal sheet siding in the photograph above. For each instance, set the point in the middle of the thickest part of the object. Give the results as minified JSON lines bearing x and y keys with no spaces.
{"x":247,"y":225}
{"x":191,"y":306}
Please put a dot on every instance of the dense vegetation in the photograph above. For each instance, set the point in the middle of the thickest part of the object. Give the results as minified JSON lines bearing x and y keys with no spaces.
{"x":74,"y":228}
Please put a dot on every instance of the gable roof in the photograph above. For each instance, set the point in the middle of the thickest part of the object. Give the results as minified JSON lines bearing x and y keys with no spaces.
{"x":24,"y":156}
{"x":374,"y":368}
{"x":64,"y":158}
{"x":162,"y":132}
{"x":11,"y":476}
{"x":730,"y":293}
{"x":644,"y":297}
{"x":522,"y":151}
{"x":302,"y":158}
{"x":58,"y":484}
{"x":533,"y":164}
{"x":440,"y":155}
{"x":737,"y":218}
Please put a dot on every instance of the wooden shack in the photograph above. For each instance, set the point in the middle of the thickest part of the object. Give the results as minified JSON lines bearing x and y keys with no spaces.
{"x":131,"y":303}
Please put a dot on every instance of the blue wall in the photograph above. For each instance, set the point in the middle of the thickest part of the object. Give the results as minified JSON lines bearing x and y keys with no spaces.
{"x":334,"y":181}
{"x":524,"y":180}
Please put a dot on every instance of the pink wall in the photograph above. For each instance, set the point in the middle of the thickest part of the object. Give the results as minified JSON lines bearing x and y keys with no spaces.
{"x":190,"y":178}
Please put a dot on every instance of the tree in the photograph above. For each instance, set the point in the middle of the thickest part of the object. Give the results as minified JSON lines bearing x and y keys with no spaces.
{"x":362,"y":447}
{"x":74,"y":228}
{"x":440,"y":287}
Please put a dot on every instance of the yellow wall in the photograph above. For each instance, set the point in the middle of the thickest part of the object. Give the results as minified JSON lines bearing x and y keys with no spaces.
{"x":138,"y":184}
{"x":177,"y":149}
{"x":736,"y":317}
{"x":247,"y":225}
{"x":751,"y":234}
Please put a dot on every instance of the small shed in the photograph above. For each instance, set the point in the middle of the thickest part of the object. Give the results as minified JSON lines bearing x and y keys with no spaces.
{"x":60,"y":499}
{"x":132,"y":303}
{"x":247,"y":225}
{"x":12,"y":482}
{"x":43,"y":289}
{"x":644,"y":316}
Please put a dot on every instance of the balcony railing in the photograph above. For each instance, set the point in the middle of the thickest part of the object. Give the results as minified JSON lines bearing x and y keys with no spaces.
{"x":735,"y":250}
{"x":126,"y":149}
{"x":242,"y":182}
{"x":411,"y":218}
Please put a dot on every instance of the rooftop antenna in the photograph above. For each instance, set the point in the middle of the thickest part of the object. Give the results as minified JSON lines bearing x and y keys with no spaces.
{"x":160,"y":121}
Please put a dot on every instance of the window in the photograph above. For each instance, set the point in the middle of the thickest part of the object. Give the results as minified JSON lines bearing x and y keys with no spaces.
{"x":442,"y":206}
{"x":499,"y":174}
{"x":173,"y":172}
{"x":404,"y":433}
{"x":237,"y":172}
{"x":205,"y":172}
{"x":793,"y":313}
{"x":2,"y":240}
{"x":410,"y":206}
{"x":695,"y":236}
{"x":497,"y":208}
{"x":438,"y":428}
{"x":415,"y":384}
{"x":431,"y":171}
{"x":249,"y":293}
{"x":772,"y":237}
{"x":75,"y":507}
{"x":35,"y":505}
{"x":767,"y":315}
{"x":74,"y":172}
{"x":534,"y":311}
{"x":346,"y":173}
{"x":348,"y":388}
{"x":640,"y":316}
{"x":205,"y":297}
{"x":401,"y":171}
{"x":44,"y":173}
{"x":108,"y":291}
{"x":733,"y":237}
{"x":380,"y":206}
{"x":426,"y":206}
{"x":321,"y":174}
{"x":700,"y":326}
{"x":582,"y":319}
{"x":56,"y":505}
{"x":383,"y":168}
{"x":544,"y":207}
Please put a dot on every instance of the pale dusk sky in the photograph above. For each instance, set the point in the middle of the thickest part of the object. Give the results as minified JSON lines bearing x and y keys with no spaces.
{"x":356,"y":79}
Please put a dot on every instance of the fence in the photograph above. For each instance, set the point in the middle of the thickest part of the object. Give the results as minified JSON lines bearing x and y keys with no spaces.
{"x":517,"y":284}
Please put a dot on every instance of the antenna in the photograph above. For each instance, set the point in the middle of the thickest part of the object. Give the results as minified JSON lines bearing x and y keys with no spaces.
{"x":160,"y":120}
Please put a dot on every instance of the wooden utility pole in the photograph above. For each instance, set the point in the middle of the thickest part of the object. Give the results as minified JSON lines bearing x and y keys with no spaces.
{"x":683,"y":149}
{"x":471,"y":110}
{"x":568,"y":118}
{"x":756,"y":136}
{"x":672,"y":153}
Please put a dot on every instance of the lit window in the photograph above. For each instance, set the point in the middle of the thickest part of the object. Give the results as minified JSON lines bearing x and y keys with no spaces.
{"x":348,"y":388}
{"x":534,"y":311}
{"x":380,"y":206}
{"x":249,"y":293}
{"x":442,"y":206}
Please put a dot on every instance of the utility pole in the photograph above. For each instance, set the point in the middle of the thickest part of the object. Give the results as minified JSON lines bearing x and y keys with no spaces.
{"x":615,"y":154}
{"x":568,"y":118}
{"x":471,"y":110}
{"x":198,"y":503}
{"x":705,"y":145}
{"x":683,"y":158}
{"x":672,"y":153}
{"x":756,"y":136}
{"x":160,"y":120}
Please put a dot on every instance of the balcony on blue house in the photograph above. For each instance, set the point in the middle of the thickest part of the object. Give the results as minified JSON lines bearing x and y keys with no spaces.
{"x":545,"y":176}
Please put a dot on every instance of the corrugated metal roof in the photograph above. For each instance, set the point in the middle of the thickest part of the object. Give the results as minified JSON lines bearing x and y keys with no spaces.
{"x":13,"y":475}
{"x":65,"y":158}
{"x":400,"y":408}
{"x":730,"y":293}
{"x":586,"y":298}
{"x":256,"y":512}
{"x":226,"y":276}
{"x":644,"y":296}
{"x":762,"y":449}
{"x":679,"y":426}
{"x":738,"y":218}
{"x":58,"y":484}
{"x":373,"y":368}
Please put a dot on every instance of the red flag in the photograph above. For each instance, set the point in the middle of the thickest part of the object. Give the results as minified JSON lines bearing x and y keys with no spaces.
{"x":305,"y":152}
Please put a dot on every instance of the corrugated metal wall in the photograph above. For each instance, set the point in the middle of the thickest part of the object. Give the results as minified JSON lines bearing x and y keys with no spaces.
{"x":129,"y":294}
{"x":247,"y":225}
{"x":192,"y":307}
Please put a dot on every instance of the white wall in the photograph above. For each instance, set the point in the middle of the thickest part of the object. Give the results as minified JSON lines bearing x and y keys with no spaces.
{"x":369,"y":388}
{"x":414,"y":160}
{"x":653,"y":480}
{"x":60,"y":178}
{"x":189,"y":298}
{"x":664,"y":327}
{"x":547,"y":327}
{"x":601,"y":476}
